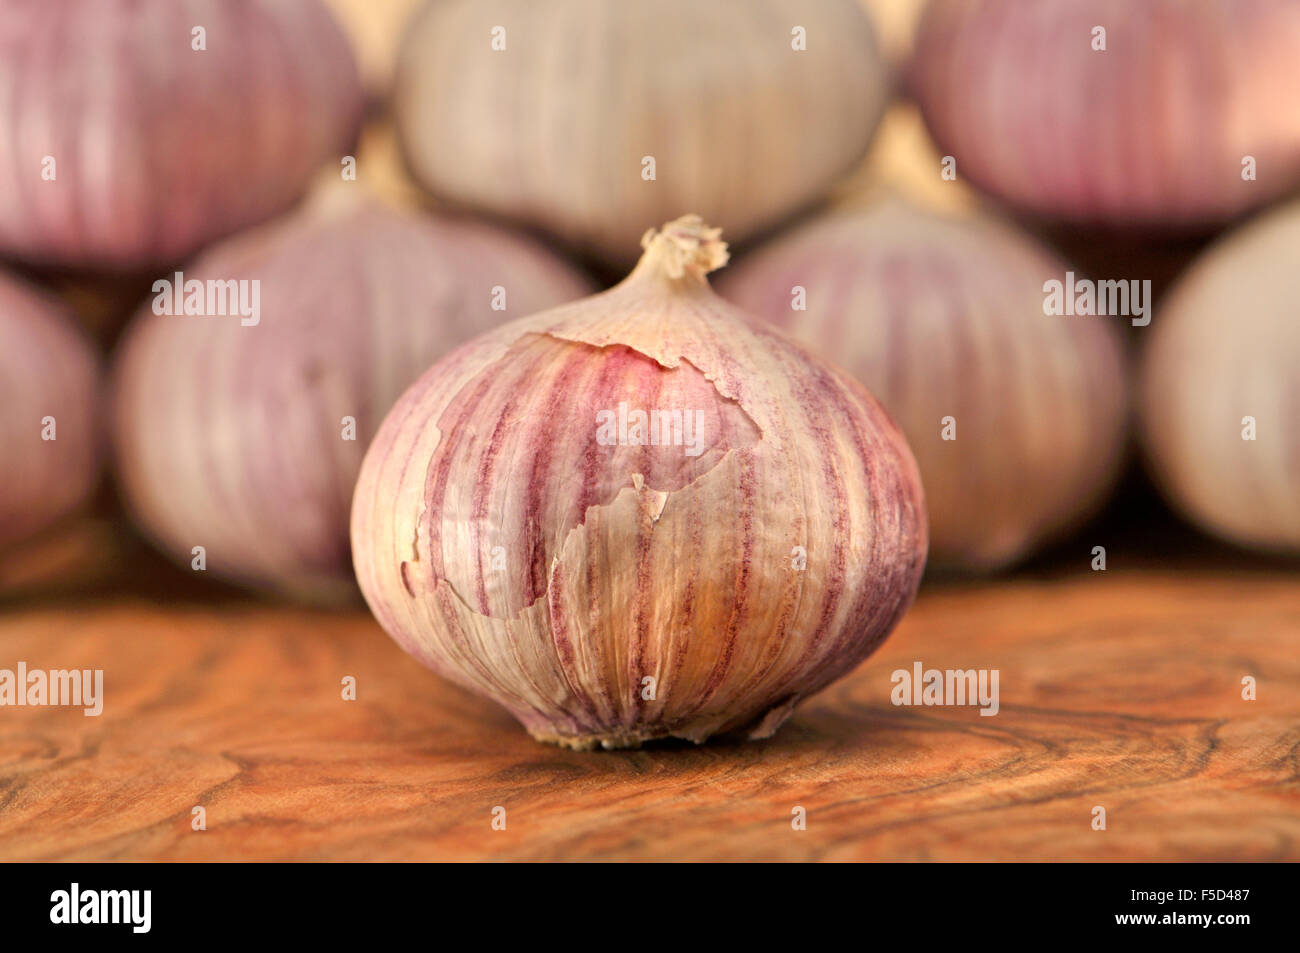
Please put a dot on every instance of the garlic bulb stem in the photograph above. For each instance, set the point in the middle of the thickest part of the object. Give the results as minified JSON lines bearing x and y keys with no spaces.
{"x":684,"y":246}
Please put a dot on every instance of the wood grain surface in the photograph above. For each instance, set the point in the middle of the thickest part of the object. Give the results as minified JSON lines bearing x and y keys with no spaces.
{"x":1118,"y":689}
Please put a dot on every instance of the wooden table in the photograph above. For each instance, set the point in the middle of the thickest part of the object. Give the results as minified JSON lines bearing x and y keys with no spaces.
{"x":1119,"y":689}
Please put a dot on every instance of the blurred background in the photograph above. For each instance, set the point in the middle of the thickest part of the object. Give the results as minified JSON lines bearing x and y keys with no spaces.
{"x":85,"y":549}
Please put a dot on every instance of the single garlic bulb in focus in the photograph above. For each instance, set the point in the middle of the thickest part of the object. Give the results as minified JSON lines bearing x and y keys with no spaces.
{"x":639,"y":515}
{"x":49,"y":413}
{"x":1220,"y":391}
{"x":1125,"y":112}
{"x":244,"y":433}
{"x":132,"y":132}
{"x":1017,"y":418}
{"x":590,"y":118}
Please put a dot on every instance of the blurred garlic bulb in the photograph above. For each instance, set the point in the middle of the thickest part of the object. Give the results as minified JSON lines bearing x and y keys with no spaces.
{"x":1016,"y":417}
{"x":242,"y":431}
{"x":49,"y":412}
{"x":375,"y":28}
{"x":639,"y":515}
{"x":1220,"y":392}
{"x":132,"y":132}
{"x":590,"y":119}
{"x":1150,"y":113}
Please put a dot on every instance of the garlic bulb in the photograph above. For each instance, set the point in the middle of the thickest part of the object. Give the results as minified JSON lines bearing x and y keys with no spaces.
{"x":590,"y":119}
{"x":132,"y":132}
{"x":241,"y":429}
{"x":1220,"y":387}
{"x":639,"y":515}
{"x":1016,"y":417}
{"x":49,"y":428}
{"x":1151,"y":113}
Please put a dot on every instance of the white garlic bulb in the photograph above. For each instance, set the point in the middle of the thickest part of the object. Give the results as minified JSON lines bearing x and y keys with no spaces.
{"x":1133,"y":113}
{"x":590,"y":118}
{"x":1220,"y":391}
{"x":1016,"y":417}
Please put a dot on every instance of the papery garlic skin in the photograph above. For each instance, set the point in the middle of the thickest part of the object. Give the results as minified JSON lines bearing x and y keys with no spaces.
{"x":1153,"y":131}
{"x":607,"y":594}
{"x":1017,"y":417}
{"x":50,"y":387}
{"x":232,"y":436}
{"x":1220,"y":387}
{"x":123,"y":146}
{"x":562,"y":128}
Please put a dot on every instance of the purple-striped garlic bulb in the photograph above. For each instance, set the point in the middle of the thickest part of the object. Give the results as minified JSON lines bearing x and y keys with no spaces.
{"x":1220,"y":387}
{"x":640,"y":515}
{"x":1016,"y":417}
{"x":49,"y":412}
{"x":133,"y":132}
{"x":1135,"y":113}
{"x":240,"y":428}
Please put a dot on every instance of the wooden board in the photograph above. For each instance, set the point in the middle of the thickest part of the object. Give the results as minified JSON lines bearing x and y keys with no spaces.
{"x":1119,"y":690}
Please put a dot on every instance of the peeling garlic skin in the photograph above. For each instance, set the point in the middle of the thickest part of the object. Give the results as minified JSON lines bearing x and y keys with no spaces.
{"x":122,"y":146}
{"x":502,"y":544}
{"x":48,"y":369}
{"x":578,"y":381}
